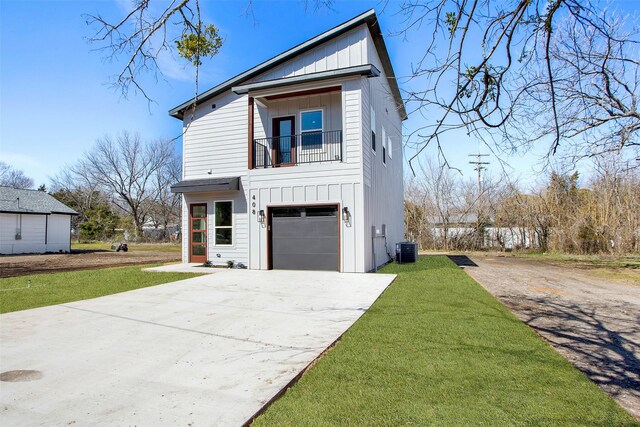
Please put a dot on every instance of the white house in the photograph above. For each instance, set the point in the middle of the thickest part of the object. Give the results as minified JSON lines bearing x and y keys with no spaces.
{"x":33,"y":222}
{"x":297,"y":162}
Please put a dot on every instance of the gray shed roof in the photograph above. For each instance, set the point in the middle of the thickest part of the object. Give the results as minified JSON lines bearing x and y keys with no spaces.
{"x":14,"y":200}
{"x":206,"y":184}
{"x":369,"y":17}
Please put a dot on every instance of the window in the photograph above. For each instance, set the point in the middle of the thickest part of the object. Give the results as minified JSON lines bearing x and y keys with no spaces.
{"x":223,"y":224}
{"x":321,"y":211}
{"x":373,"y":129}
{"x":384,"y":147}
{"x":311,"y":129}
{"x":389,"y":147}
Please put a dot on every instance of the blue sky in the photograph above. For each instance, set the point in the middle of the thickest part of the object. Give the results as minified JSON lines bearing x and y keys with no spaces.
{"x":55,"y":100}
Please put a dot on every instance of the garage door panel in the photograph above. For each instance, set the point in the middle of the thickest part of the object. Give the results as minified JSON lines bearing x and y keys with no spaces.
{"x":320,"y":245}
{"x":305,"y":242}
{"x":299,"y":261}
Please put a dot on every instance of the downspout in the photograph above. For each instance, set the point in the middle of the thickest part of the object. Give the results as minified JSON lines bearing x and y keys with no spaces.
{"x":373,"y":247}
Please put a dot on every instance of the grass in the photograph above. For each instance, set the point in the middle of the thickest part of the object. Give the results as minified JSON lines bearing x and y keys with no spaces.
{"x":437,"y":349}
{"x":629,"y":277}
{"x":599,"y":261}
{"x":39,"y":290}
{"x":103,"y":246}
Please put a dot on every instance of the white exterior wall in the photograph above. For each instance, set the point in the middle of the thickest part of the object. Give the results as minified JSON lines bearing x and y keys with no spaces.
{"x":337,"y":183}
{"x":383,"y":183}
{"x":32,"y":229}
{"x":219,"y":255}
{"x":329,"y":103}
{"x":347,"y":50}
{"x":59,"y":233}
{"x":217,"y":140}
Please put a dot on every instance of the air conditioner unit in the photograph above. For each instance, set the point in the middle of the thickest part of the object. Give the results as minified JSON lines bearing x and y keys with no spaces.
{"x":406,"y":252}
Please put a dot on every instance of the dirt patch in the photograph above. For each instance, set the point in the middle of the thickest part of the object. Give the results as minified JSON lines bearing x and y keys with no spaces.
{"x":20,"y":375}
{"x":21,"y":265}
{"x":593,"y":321}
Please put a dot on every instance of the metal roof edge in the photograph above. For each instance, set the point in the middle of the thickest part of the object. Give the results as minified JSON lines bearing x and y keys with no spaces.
{"x":381,"y":48}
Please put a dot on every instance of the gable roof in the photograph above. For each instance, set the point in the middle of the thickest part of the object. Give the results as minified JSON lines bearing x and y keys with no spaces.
{"x":14,"y":200}
{"x":369,"y":17}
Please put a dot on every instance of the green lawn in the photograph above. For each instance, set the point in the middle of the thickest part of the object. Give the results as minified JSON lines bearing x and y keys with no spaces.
{"x":38,"y":290}
{"x":437,"y":349}
{"x":102,"y":246}
{"x":602,"y":261}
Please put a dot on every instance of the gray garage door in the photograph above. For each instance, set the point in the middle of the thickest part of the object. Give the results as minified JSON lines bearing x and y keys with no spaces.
{"x":304,"y":238}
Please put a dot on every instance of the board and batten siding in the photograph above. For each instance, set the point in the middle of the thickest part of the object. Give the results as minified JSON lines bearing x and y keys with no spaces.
{"x":347,"y":50}
{"x":280,"y":193}
{"x":337,"y":183}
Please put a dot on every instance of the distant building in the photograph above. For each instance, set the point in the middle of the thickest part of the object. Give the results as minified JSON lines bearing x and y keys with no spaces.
{"x":461,"y":233}
{"x":33,"y":222}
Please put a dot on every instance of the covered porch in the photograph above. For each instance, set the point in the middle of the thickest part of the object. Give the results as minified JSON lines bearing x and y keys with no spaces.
{"x":298,"y":120}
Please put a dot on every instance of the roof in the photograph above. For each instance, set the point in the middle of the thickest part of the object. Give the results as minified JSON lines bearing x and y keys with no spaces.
{"x":206,"y":184}
{"x":369,"y":17}
{"x":14,"y":200}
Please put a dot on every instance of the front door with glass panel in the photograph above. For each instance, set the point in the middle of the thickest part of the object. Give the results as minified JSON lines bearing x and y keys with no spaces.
{"x":284,"y":141}
{"x":198,"y":233}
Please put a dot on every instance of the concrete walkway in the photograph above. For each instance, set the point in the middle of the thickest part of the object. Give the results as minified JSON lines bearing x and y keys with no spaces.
{"x":191,"y":267}
{"x":211,"y":350}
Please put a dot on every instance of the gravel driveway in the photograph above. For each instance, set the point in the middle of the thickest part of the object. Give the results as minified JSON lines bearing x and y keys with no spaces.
{"x":593,"y":322}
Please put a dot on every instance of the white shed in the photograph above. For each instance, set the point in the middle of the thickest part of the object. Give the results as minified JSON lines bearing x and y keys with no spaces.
{"x":33,"y":222}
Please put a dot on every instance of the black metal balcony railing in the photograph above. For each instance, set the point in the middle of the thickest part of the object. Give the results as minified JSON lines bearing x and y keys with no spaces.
{"x":308,"y":147}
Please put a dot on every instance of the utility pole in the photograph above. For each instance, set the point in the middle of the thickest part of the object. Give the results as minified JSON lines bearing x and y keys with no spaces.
{"x":479,"y":166}
{"x":478,"y":162}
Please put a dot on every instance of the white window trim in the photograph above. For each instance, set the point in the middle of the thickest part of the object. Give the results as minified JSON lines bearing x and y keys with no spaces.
{"x":322,"y":129}
{"x":372,"y":120}
{"x":232,"y":226}
{"x":389,"y":147}
{"x":385,"y":151}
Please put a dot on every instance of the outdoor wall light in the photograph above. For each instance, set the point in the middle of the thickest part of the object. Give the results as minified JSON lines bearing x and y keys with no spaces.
{"x":261,"y":217}
{"x":346,"y":214}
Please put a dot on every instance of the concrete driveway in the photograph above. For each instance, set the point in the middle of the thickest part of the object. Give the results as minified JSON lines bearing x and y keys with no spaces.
{"x":211,"y":350}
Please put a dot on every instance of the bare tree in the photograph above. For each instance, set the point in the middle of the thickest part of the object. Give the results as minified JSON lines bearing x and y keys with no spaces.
{"x":15,"y":178}
{"x":146,"y":31}
{"x":518,"y":72}
{"x":127,"y":170}
{"x":165,"y":209}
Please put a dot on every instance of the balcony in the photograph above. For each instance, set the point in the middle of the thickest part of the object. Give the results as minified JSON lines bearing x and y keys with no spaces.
{"x":291,"y":150}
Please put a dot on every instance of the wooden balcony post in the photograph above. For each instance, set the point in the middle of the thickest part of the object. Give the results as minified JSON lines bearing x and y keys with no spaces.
{"x":250,"y":160}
